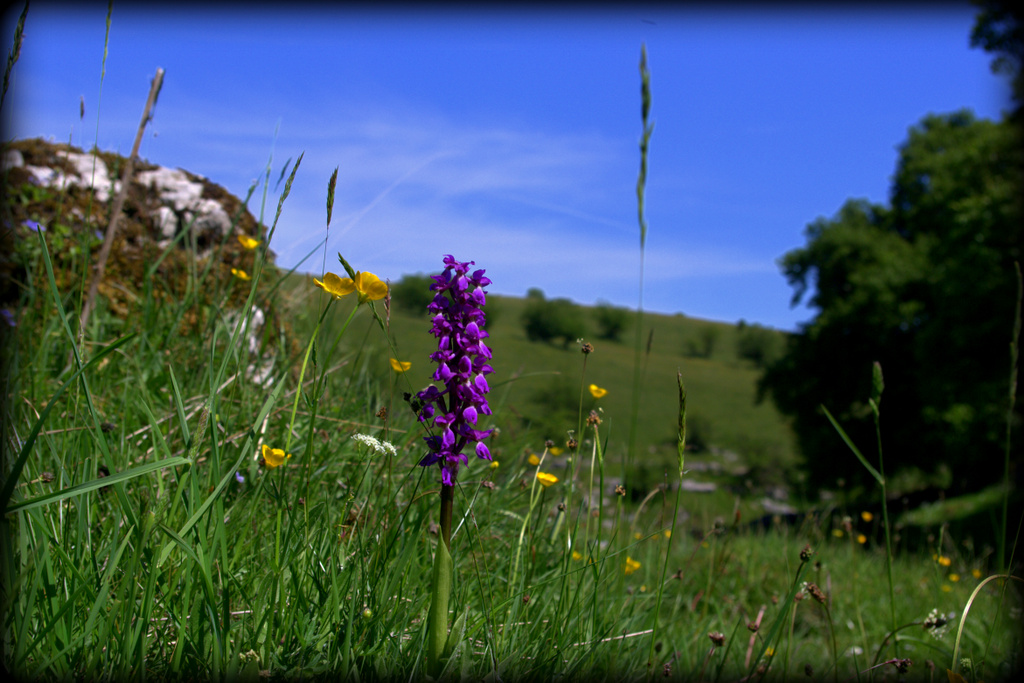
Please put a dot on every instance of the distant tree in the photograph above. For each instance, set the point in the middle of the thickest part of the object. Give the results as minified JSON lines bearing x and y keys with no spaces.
{"x":997,"y":29}
{"x":702,"y":345}
{"x":926,"y":287}
{"x":549,"y":320}
{"x":758,"y":344}
{"x":412,"y":293}
{"x":554,"y":409}
{"x":611,"y":320}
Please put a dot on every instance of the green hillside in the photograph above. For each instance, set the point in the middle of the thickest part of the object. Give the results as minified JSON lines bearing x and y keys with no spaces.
{"x":536,"y":386}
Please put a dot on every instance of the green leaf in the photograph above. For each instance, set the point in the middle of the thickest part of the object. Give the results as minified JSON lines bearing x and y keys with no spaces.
{"x":864,"y":461}
{"x":437,"y":619}
{"x":97,"y":483}
{"x":681,"y":443}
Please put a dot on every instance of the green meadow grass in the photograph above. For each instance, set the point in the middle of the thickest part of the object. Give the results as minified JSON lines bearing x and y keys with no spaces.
{"x":144,"y":539}
{"x":722,"y":388}
{"x":171,"y":568}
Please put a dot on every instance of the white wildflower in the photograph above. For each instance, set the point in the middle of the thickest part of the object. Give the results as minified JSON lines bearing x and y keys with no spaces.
{"x":938,"y":624}
{"x":382,"y":447}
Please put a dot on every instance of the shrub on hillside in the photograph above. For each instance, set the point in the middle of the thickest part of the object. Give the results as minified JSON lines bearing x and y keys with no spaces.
{"x":703,"y":344}
{"x":412,"y":293}
{"x":611,"y":320}
{"x":549,"y":320}
{"x":758,"y":344}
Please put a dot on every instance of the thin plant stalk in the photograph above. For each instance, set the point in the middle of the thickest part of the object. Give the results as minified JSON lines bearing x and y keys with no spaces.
{"x":681,"y":464}
{"x":641,"y":192}
{"x":1014,"y":342}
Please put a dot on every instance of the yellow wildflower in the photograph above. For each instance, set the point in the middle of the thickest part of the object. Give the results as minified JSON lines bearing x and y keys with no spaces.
{"x":533,"y":460}
{"x":367,"y":286}
{"x":576,"y":555}
{"x":946,"y":588}
{"x":637,"y":535}
{"x":944,"y":561}
{"x":248,"y":242}
{"x":555,"y":450}
{"x":274,"y":457}
{"x":862,"y":539}
{"x":494,"y":464}
{"x":667,"y":533}
{"x":866,"y":516}
{"x":240,"y":274}
{"x":597,"y":392}
{"x":838,"y":533}
{"x":546,"y":479}
{"x":631,"y":565}
{"x":953,"y":578}
{"x":400,"y":366}
{"x":976,"y":573}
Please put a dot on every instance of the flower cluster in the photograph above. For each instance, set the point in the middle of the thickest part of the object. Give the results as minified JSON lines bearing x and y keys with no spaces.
{"x":367,"y":286}
{"x":378,"y":446}
{"x":461,"y":357}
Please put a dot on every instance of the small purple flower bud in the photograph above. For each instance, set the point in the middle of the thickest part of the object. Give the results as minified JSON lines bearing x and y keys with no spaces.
{"x":8,"y":317}
{"x":35,"y":226}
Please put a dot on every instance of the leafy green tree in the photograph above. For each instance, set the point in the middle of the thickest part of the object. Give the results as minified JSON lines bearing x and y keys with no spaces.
{"x":997,"y":29}
{"x":550,"y":320}
{"x":412,"y":293}
{"x":926,"y":287}
{"x":703,"y":344}
{"x":758,"y":344}
{"x":611,"y":320}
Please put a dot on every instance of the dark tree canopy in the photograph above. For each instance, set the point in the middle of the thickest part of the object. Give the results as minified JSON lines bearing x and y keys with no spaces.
{"x":927,"y":287}
{"x":547,"y":320}
{"x":997,"y":29}
{"x":412,"y":293}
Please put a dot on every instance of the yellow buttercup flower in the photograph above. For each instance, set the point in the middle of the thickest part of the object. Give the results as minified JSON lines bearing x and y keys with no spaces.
{"x":576,"y":555}
{"x":631,"y":565}
{"x":240,"y":274}
{"x":494,"y":464}
{"x":274,"y":457}
{"x":248,"y":242}
{"x":862,"y":539}
{"x":400,"y":366}
{"x":838,"y":533}
{"x":953,"y":578}
{"x":597,"y":392}
{"x":944,"y":561}
{"x":555,"y":450}
{"x":546,"y":479}
{"x":533,"y":460}
{"x":368,"y":286}
{"x":976,"y":573}
{"x":866,"y":516}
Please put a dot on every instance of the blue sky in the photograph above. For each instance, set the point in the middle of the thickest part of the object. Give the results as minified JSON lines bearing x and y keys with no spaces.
{"x":510,"y":136}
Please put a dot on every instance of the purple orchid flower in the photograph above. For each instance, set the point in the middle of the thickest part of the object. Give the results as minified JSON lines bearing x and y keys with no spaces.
{"x":462,"y":357}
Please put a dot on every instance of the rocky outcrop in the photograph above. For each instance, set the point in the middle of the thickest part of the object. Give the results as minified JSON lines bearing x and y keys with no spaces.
{"x":160,"y":205}
{"x":174,"y":224}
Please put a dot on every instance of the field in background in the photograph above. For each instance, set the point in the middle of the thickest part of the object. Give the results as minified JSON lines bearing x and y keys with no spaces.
{"x":735,"y":441}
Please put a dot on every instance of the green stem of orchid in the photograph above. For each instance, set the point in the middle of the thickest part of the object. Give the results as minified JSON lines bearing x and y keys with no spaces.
{"x":447,"y":502}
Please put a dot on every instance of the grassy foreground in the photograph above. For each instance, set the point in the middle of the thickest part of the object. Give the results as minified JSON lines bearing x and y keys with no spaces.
{"x":217,"y":479}
{"x":144,"y":540}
